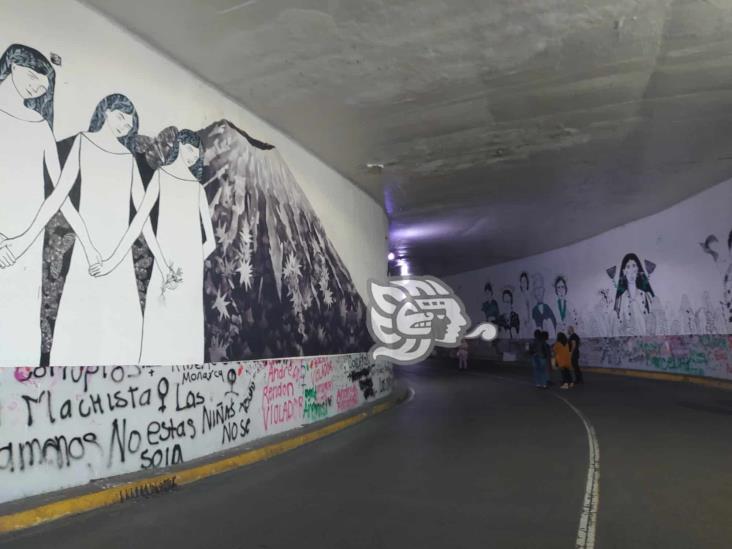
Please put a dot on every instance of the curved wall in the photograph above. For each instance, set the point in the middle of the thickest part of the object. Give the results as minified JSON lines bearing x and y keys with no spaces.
{"x":63,"y":427}
{"x":673,"y":315}
{"x":246,"y":254}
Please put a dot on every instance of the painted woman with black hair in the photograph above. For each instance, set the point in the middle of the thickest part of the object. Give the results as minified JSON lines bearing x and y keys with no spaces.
{"x":173,"y":330}
{"x":633,"y":296}
{"x":490,"y":305}
{"x":27,"y":147}
{"x":509,"y":320}
{"x":99,"y":318}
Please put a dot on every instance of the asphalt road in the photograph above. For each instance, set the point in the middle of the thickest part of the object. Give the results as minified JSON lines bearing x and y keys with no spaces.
{"x":474,"y":459}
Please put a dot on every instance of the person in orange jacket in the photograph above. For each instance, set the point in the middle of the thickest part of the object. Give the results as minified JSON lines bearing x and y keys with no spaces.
{"x":563,"y":359}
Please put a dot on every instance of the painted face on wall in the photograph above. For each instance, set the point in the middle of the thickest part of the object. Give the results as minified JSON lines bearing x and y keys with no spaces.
{"x":539,"y":294}
{"x":118,"y":122}
{"x":488,"y":293}
{"x":631,"y":270}
{"x":188,"y":153}
{"x":29,"y":83}
{"x":524,"y":282}
{"x":560,"y":288}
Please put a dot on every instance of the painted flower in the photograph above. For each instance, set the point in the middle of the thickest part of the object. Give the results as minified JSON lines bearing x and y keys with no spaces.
{"x":292,"y":269}
{"x":246,"y":273}
{"x":221,"y":305}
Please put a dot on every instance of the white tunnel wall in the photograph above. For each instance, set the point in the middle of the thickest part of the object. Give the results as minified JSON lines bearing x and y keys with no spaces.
{"x":273,"y":336}
{"x":682,"y":327}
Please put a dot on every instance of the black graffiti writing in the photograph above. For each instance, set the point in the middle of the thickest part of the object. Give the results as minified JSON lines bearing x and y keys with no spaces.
{"x":232,"y":430}
{"x":217,"y":416}
{"x":60,"y":450}
{"x":163,"y":431}
{"x":244,"y":404}
{"x":192,"y":399}
{"x":88,"y":404}
{"x":163,"y":388}
{"x":190,"y":377}
{"x":161,"y":457}
{"x":80,"y":374}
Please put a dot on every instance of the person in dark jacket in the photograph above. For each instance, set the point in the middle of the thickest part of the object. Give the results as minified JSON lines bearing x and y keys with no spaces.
{"x":574,"y":349}
{"x":547,"y":357}
{"x":538,"y":359}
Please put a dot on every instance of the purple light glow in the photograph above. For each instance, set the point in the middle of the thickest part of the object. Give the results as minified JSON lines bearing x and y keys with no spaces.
{"x":423,"y":231}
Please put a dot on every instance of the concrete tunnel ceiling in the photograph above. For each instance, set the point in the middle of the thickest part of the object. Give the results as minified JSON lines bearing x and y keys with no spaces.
{"x":505,"y":128}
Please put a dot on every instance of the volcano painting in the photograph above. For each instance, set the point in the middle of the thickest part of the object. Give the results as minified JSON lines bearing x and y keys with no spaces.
{"x":275,"y":285}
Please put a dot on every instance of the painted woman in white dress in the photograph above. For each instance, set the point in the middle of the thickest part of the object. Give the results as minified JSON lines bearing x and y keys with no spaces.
{"x":27,"y":145}
{"x":173,"y":330}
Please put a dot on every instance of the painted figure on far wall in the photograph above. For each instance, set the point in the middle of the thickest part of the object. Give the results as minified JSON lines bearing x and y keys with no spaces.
{"x":524,"y":305}
{"x":633,"y":296}
{"x":27,"y":147}
{"x":567,"y":313}
{"x":174,"y":322}
{"x":542,"y":314}
{"x":490,"y":305}
{"x":509,"y":320}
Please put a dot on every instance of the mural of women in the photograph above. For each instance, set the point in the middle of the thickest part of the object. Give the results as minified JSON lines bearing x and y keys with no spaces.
{"x":633,"y":296}
{"x":99,"y":318}
{"x":173,"y":330}
{"x":27,"y":146}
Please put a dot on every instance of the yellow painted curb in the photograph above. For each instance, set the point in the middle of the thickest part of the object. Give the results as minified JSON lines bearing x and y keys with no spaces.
{"x":161,"y":483}
{"x":663,"y":376}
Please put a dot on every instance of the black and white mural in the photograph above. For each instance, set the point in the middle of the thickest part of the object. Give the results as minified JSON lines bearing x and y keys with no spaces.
{"x":654,"y":294}
{"x":190,"y":246}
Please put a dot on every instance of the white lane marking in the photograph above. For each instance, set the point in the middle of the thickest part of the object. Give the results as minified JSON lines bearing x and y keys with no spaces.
{"x":586,"y":532}
{"x":588,"y":519}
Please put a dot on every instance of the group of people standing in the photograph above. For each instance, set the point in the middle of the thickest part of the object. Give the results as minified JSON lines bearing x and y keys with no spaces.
{"x":563,"y":355}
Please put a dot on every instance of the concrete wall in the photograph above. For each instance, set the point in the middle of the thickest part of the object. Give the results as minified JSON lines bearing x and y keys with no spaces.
{"x":283,"y":279}
{"x":62,"y":427}
{"x":673,"y":315}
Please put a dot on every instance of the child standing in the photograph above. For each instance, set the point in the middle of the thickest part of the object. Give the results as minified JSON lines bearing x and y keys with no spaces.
{"x":462,"y":354}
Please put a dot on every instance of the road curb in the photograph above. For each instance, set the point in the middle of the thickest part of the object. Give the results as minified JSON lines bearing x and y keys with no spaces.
{"x":661,"y":376}
{"x":168,"y":481}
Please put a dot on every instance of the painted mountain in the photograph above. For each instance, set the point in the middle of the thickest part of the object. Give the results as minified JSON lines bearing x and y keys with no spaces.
{"x":275,"y":285}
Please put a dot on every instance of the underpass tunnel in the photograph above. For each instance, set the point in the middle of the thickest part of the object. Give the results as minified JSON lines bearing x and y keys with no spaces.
{"x":377,"y":274}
